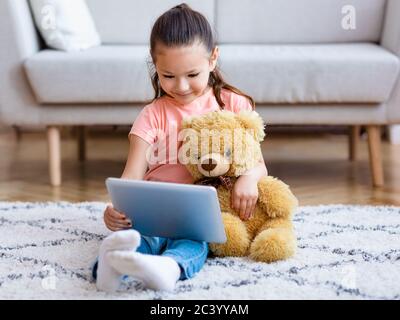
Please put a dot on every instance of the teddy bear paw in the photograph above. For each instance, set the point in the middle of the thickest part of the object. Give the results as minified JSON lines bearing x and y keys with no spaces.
{"x":273,"y":245}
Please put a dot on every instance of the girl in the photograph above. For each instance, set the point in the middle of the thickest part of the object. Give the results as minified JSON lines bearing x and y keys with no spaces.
{"x":187,"y":82}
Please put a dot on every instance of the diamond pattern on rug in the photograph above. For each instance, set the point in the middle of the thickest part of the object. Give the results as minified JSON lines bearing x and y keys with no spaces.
{"x":344,"y":252}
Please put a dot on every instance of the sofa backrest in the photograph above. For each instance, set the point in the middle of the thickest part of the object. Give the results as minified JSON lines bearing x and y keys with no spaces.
{"x":130,"y":21}
{"x":246,"y":21}
{"x":298,"y":21}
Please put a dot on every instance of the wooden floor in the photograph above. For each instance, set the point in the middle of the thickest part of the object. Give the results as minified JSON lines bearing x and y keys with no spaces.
{"x":316,"y":167}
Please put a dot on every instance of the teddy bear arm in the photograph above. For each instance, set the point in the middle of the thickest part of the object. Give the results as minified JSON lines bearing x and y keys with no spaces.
{"x":275,"y":197}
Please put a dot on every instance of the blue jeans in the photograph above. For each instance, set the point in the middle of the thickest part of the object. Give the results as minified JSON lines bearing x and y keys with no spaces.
{"x":189,"y":254}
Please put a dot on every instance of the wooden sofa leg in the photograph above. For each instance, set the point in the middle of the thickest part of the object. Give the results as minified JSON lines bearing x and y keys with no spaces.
{"x":375,"y":157}
{"x":354,"y":138}
{"x":81,"y":136}
{"x":18,"y":133}
{"x":54,"y":151}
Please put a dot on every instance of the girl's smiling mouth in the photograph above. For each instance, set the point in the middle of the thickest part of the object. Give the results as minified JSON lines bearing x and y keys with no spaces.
{"x":183,"y":95}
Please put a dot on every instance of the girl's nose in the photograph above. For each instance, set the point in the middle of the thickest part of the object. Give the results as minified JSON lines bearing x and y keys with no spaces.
{"x":182,"y":86}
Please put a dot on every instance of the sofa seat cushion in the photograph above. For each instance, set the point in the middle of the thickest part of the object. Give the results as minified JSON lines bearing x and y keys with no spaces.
{"x":97,"y":75}
{"x":337,"y":73}
{"x":331,"y":73}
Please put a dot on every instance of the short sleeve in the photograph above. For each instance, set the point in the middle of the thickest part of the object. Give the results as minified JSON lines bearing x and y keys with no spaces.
{"x":235,"y":102}
{"x":240,"y":103}
{"x":145,"y":125}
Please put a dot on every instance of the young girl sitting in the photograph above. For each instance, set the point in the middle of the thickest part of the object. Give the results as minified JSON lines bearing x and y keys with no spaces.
{"x":187,"y":82}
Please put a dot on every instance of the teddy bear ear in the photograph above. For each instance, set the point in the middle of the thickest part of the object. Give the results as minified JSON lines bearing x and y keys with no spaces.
{"x":252,"y":120}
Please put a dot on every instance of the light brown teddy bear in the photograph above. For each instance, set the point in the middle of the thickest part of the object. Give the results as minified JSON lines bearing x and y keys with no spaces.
{"x":220,"y":146}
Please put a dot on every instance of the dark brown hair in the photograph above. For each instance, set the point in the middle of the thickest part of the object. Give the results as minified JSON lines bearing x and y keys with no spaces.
{"x":182,"y":26}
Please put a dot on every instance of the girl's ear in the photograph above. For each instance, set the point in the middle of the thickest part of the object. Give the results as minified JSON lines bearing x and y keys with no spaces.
{"x":214,"y":58}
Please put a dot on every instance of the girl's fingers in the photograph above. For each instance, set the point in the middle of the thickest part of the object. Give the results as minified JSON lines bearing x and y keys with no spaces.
{"x":243,"y":205}
{"x":235,"y":203}
{"x":112,"y":227}
{"x":117,"y":215}
{"x":114,"y":213}
{"x":122,"y":224}
{"x":248,"y":208}
{"x":119,"y":220}
{"x":115,"y":220}
{"x":252,"y":207}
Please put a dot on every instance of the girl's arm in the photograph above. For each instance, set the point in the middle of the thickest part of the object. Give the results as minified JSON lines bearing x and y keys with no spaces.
{"x":259,"y":171}
{"x":136,"y":164}
{"x":245,"y":191}
{"x":135,"y":168}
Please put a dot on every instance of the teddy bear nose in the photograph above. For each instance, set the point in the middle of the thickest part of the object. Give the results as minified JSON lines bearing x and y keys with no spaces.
{"x":209,"y":164}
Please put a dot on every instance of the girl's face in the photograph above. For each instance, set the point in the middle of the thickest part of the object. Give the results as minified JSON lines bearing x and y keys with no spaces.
{"x":184,"y":71}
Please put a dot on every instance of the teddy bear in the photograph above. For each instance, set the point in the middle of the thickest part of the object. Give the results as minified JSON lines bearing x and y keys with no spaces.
{"x":217,"y":148}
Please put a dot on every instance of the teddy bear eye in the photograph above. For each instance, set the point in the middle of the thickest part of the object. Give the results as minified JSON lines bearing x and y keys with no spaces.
{"x":228,"y":152}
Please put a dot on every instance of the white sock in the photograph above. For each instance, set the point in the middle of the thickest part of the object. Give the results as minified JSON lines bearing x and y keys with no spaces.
{"x":157,"y":272}
{"x":108,"y":279}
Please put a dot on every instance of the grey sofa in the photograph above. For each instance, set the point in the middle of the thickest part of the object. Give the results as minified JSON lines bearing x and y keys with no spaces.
{"x":297,"y":58}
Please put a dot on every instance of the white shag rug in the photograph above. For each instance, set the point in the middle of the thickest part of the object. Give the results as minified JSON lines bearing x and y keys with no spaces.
{"x":344,"y":252}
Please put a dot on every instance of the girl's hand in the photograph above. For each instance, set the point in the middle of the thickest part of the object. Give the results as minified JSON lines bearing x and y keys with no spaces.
{"x":115,"y":220}
{"x":244,"y":196}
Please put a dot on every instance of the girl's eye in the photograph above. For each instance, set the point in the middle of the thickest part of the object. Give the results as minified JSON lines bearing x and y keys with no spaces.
{"x":190,"y":76}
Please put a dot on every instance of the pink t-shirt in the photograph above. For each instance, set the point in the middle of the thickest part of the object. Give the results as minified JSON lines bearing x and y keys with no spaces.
{"x":159,"y":124}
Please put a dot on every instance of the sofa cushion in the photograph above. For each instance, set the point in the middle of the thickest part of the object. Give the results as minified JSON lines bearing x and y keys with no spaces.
{"x":130,"y":22}
{"x":297,"y":21}
{"x":101,"y":74}
{"x":269,"y":73}
{"x":311,"y":73}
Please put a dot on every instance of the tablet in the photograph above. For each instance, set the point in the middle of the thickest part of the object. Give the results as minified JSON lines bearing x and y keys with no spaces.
{"x":171,"y":210}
